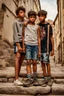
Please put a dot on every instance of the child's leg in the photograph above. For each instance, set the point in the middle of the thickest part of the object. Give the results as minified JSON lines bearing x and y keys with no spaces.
{"x":29,"y":81}
{"x":21,"y":59}
{"x":49,"y":75}
{"x":28,"y":58}
{"x":17,"y":65}
{"x":20,"y":62}
{"x":17,"y":58}
{"x":35,"y":80}
{"x":35,"y":68}
{"x":43,"y":63}
{"x":28,"y":68}
{"x":44,"y":69}
{"x":34,"y":58}
{"x":48,"y":70}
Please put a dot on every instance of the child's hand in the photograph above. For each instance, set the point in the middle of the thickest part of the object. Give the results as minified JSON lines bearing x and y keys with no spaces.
{"x":24,"y":50}
{"x":20,"y":49}
{"x":25,"y":23}
{"x":52,"y":52}
{"x":39,"y":54}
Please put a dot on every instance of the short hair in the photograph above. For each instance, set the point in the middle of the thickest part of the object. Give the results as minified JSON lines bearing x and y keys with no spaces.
{"x":18,"y":9}
{"x":31,"y":13}
{"x":42,"y":12}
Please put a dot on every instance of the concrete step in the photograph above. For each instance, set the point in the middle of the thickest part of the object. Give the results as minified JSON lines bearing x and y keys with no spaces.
{"x":59,"y":81}
{"x":14,"y":95}
{"x":10,"y":89}
{"x":8,"y":74}
{"x":29,"y":95}
{"x":58,"y":89}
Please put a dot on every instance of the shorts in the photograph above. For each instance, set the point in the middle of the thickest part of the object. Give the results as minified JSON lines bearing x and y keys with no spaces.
{"x":31,"y":52}
{"x":16,"y":49}
{"x":45,"y":58}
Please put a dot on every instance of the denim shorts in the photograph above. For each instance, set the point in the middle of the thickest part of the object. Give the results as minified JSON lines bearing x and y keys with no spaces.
{"x":31,"y":52}
{"x":16,"y":49}
{"x":45,"y":58}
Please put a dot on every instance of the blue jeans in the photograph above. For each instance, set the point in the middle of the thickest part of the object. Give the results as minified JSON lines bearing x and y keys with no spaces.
{"x":31,"y":52}
{"x":16,"y":49}
{"x":45,"y":58}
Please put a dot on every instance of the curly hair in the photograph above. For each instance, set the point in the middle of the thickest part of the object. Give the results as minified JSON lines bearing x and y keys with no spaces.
{"x":31,"y":13}
{"x":42,"y":12}
{"x":18,"y":9}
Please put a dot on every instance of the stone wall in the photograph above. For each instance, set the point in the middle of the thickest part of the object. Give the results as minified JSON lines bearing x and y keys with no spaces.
{"x":9,"y":7}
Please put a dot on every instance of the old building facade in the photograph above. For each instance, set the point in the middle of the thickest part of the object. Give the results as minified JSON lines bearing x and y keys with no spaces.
{"x":57,"y":42}
{"x":59,"y":32}
{"x":7,"y":15}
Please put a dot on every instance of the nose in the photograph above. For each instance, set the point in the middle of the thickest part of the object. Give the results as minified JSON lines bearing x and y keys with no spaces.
{"x":32,"y":18}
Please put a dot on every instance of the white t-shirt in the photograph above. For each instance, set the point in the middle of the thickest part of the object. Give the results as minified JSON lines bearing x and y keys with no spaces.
{"x":31,"y":37}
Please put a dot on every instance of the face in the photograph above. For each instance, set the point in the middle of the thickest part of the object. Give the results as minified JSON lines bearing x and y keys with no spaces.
{"x":21,"y":14}
{"x":32,"y":19}
{"x":42,"y":18}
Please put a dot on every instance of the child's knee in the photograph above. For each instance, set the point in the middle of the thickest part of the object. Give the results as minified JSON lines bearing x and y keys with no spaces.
{"x":28,"y":62}
{"x":17,"y":55}
{"x":34,"y":62}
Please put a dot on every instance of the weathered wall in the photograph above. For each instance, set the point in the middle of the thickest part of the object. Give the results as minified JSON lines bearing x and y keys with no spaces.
{"x":9,"y":14}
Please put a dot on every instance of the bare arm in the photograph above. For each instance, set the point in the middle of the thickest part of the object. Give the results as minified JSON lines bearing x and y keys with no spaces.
{"x":39,"y":41}
{"x":18,"y":44}
{"x":52,"y":41}
{"x":23,"y":33}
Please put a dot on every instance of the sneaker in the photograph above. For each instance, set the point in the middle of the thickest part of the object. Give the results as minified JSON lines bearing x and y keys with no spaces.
{"x":50,"y":82}
{"x":43,"y":83}
{"x":18,"y":83}
{"x":35,"y":82}
{"x":28,"y":83}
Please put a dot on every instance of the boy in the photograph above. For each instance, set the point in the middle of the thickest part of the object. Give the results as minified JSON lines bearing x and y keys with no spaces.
{"x":46,"y":46}
{"x":32,"y":43}
{"x":17,"y":37}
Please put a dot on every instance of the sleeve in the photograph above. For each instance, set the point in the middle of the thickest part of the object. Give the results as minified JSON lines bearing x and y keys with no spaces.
{"x":51,"y":31}
{"x":15,"y":32}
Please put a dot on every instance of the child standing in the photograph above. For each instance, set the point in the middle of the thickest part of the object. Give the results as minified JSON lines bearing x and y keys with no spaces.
{"x":32,"y":43}
{"x":17,"y":37}
{"x":46,"y":46}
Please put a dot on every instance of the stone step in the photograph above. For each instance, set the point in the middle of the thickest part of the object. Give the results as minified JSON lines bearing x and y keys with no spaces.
{"x":8,"y":74}
{"x":58,"y":89}
{"x":14,"y":95}
{"x":10,"y":89}
{"x":11,"y":79}
{"x":59,"y":81}
{"x":29,"y":95}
